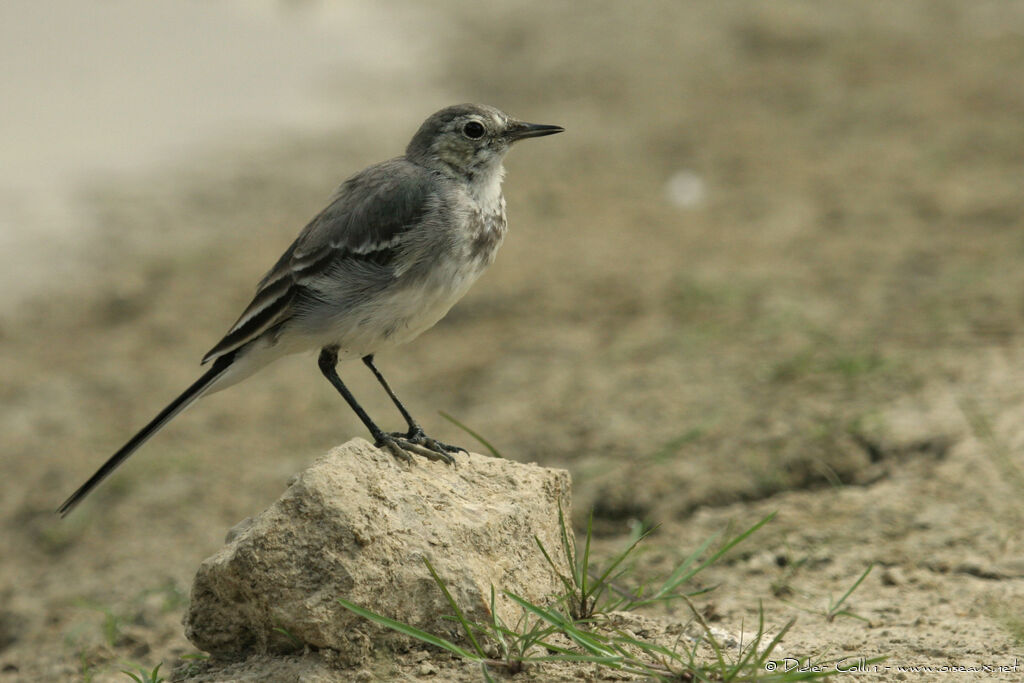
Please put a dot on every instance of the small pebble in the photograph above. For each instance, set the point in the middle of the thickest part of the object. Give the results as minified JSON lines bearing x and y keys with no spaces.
{"x":685,"y":189}
{"x":893,"y":576}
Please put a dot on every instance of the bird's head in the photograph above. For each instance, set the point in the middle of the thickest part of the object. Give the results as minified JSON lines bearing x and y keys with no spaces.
{"x":470,"y":140}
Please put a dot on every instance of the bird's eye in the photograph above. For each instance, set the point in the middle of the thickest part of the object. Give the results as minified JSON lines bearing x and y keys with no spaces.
{"x":474,"y":130}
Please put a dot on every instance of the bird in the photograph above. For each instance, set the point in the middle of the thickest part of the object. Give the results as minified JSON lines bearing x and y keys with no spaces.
{"x":398,"y":244}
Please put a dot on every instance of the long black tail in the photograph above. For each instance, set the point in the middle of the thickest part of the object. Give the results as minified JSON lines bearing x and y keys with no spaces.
{"x":166,"y":415}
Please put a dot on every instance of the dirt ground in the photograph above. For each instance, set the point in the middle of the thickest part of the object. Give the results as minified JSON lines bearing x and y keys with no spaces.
{"x":773,"y":265}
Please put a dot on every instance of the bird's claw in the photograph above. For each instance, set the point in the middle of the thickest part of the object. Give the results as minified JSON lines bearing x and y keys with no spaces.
{"x":417,"y":436}
{"x":402,"y":446}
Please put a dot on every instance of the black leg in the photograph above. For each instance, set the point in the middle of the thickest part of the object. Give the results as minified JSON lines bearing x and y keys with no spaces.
{"x":398,"y":446}
{"x":413,"y":425}
{"x":415,"y":433}
{"x":328,"y":362}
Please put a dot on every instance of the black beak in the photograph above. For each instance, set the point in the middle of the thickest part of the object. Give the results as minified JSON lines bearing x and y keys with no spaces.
{"x":517,"y":130}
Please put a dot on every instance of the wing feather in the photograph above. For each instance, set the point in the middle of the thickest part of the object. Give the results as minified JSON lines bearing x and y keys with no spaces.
{"x":367,"y":220}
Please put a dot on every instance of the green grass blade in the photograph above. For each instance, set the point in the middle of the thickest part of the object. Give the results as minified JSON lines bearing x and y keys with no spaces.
{"x":606,"y":576}
{"x":466,"y":626}
{"x":774,"y":643}
{"x":732,"y":543}
{"x":658,"y":669}
{"x":498,"y":629}
{"x":146,"y":676}
{"x":408,"y":630}
{"x":588,"y":641}
{"x":566,"y":581}
{"x":748,"y":653}
{"x":680,"y":574}
{"x":575,"y":657}
{"x":486,"y":444}
{"x":847,"y":613}
{"x":653,"y":648}
{"x":557,"y":649}
{"x":833,"y":610}
{"x":586,"y":562}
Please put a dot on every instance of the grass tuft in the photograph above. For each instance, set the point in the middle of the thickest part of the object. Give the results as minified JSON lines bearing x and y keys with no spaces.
{"x":572,"y":626}
{"x":144,"y":676}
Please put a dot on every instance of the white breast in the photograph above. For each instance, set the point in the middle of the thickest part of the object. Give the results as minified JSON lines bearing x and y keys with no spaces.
{"x":487,"y":194}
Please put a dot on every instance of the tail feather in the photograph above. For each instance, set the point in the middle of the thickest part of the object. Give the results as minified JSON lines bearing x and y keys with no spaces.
{"x":163,"y":417}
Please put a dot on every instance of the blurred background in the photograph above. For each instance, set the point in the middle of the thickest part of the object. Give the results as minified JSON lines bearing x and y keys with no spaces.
{"x":774,"y":263}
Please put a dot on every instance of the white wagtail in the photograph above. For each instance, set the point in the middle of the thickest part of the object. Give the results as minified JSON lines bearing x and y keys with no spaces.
{"x":398,"y":244}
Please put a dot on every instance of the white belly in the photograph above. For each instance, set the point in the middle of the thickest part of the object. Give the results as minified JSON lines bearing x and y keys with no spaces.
{"x":415,"y":311}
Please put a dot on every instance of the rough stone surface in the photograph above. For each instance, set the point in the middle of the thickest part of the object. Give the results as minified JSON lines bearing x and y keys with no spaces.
{"x":358,"y":525}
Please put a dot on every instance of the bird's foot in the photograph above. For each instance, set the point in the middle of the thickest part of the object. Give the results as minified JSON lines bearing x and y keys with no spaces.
{"x":402,"y":446}
{"x":416,"y":435}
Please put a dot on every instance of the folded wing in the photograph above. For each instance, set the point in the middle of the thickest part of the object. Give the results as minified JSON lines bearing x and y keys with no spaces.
{"x":363,"y":227}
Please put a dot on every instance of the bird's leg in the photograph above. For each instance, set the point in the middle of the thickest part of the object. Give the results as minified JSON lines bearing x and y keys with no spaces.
{"x":415,"y":433}
{"x":414,"y":426}
{"x":399,"y":447}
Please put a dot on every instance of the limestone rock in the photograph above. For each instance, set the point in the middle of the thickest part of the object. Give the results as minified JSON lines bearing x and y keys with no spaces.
{"x":357,"y":525}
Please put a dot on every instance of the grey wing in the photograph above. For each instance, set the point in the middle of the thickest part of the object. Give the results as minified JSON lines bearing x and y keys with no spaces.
{"x":363,"y":226}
